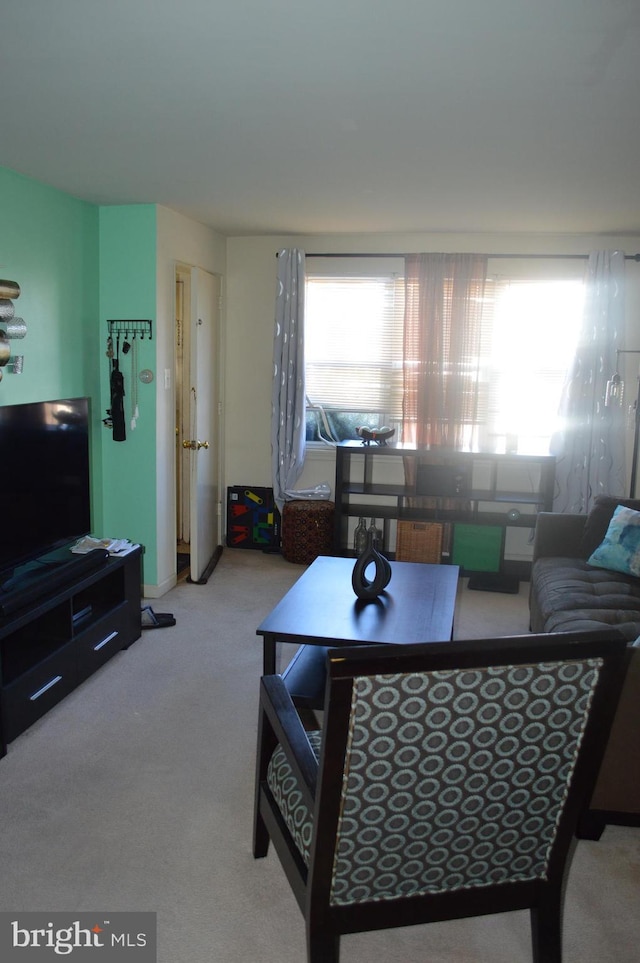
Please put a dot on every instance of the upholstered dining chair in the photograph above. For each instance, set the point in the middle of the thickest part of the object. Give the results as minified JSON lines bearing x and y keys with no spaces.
{"x":446,"y":782}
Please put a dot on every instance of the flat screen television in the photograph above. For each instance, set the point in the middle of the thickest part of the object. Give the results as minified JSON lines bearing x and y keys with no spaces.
{"x":45,"y":499}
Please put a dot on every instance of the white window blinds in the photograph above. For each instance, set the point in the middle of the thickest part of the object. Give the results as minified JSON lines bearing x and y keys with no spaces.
{"x":354,"y":342}
{"x":354,"y":349}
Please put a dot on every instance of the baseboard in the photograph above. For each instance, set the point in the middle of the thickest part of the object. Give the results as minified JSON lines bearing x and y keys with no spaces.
{"x":157,"y":591}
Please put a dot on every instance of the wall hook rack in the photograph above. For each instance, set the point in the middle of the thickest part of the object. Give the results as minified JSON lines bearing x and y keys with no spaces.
{"x":141,"y":329}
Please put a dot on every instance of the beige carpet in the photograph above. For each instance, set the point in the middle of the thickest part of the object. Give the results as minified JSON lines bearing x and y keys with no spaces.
{"x":136,"y":792}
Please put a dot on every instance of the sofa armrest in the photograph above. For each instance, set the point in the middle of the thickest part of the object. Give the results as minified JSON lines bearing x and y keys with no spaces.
{"x":558,"y":534}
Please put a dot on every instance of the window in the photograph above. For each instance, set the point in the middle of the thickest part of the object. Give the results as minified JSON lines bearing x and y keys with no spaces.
{"x":353,"y":350}
{"x":536,"y":325}
{"x":354,"y":318}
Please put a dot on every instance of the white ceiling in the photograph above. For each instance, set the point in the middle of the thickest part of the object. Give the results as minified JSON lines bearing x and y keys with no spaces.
{"x":275,"y":116}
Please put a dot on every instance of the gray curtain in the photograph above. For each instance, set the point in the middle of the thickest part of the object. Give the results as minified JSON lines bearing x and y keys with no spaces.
{"x":590,"y":449}
{"x":288,"y":391}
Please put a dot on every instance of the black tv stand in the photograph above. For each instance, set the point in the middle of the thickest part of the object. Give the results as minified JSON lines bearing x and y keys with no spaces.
{"x":44,"y":576}
{"x":51,"y":646}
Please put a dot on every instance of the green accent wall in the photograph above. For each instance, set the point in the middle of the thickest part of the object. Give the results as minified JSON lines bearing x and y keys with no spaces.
{"x":78,"y":265}
{"x":127,"y":291}
{"x":49,"y":245}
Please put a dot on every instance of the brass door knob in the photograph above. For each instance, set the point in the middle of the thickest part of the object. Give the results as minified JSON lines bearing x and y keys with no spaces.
{"x":194,"y":445}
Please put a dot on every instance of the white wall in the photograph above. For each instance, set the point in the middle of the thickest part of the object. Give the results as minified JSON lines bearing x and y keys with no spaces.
{"x":178,"y":240}
{"x":251,"y":276}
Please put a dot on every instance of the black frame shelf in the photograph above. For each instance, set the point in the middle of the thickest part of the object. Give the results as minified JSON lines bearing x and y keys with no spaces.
{"x":445,"y":485}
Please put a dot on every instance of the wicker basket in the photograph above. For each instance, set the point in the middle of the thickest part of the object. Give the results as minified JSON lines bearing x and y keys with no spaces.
{"x":419,"y":542}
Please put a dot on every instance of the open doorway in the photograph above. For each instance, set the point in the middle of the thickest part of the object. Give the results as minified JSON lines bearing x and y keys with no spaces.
{"x":197,"y":420}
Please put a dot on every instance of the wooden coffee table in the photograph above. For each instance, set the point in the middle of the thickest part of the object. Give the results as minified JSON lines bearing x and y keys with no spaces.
{"x":321,"y":609}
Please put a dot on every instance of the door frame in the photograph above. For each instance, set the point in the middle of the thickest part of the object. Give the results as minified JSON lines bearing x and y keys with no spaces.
{"x":184,"y":271}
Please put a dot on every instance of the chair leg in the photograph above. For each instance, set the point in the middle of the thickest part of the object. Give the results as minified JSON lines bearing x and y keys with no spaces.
{"x":260,"y":834}
{"x":546,"y":931}
{"x":322,"y":947}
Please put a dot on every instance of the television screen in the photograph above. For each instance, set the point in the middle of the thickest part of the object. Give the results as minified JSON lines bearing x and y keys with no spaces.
{"x":44,"y":477}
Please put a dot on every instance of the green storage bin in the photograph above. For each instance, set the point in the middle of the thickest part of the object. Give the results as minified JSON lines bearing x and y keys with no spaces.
{"x":478,"y":548}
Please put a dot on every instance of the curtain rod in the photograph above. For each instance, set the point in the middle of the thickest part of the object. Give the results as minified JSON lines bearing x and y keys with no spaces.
{"x":583,"y":257}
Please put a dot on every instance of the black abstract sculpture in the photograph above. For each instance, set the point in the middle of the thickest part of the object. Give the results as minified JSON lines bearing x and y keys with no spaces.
{"x":370,"y":588}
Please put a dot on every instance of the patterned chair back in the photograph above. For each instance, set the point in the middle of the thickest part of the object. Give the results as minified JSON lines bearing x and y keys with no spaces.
{"x":457,"y":779}
{"x":447,"y":781}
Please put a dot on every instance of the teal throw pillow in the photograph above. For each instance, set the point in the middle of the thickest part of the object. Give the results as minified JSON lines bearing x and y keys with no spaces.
{"x":620,"y":548}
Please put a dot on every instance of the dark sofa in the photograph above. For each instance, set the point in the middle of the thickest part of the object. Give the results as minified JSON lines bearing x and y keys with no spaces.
{"x":568,"y":594}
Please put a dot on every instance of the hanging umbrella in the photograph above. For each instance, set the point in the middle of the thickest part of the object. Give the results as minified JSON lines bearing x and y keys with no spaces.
{"x":117,"y":402}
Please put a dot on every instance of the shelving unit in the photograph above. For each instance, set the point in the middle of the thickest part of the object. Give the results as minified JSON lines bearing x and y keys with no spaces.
{"x":394,"y":483}
{"x":51,"y":646}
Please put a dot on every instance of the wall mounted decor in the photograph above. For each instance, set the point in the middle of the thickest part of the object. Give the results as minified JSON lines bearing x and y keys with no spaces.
{"x":125,"y":335}
{"x":129,"y":329}
{"x":16,"y":363}
{"x":10,"y":327}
